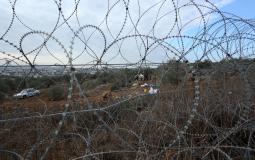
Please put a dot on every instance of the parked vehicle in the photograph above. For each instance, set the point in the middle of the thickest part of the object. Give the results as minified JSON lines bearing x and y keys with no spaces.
{"x":30,"y":92}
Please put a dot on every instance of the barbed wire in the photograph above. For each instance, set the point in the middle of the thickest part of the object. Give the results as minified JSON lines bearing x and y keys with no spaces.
{"x":165,"y":79}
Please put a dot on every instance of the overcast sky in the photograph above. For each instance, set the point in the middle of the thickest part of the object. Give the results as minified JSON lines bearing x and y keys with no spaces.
{"x":152,"y":17}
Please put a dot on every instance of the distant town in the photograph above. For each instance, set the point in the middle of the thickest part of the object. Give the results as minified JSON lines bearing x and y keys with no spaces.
{"x":40,"y":71}
{"x":58,"y":70}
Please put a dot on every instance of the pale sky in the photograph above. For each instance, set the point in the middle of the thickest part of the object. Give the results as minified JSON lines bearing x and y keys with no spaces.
{"x":154,"y":18}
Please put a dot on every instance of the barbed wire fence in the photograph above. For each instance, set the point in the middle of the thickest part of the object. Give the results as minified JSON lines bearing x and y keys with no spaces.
{"x":91,"y":104}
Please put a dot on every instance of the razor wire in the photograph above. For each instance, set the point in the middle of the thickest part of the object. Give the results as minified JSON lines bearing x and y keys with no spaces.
{"x":200,"y":59}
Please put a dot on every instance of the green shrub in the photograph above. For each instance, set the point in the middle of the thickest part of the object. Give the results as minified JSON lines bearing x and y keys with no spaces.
{"x":105,"y":77}
{"x":173,"y":74}
{"x":120,"y":79}
{"x":170,"y":77}
{"x":116,"y":86}
{"x":204,"y":64}
{"x":4,"y":87}
{"x":56,"y":93}
{"x":2,"y":96}
{"x":89,"y":84}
